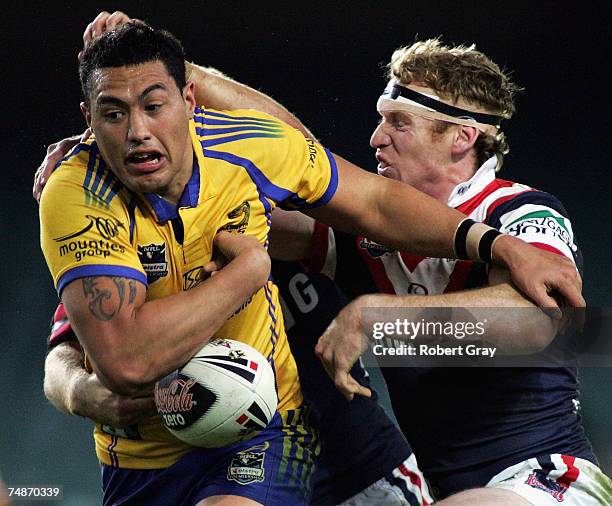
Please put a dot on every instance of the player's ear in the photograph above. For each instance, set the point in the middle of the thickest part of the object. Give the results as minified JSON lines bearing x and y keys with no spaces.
{"x":86,"y":113}
{"x":464,"y":139}
{"x":189,"y":97}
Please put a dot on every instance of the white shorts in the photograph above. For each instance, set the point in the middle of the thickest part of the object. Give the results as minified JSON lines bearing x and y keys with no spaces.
{"x":559,"y":479}
{"x":404,"y":486}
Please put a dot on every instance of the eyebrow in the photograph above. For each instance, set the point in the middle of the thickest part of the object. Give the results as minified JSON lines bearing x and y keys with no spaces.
{"x":110,"y":100}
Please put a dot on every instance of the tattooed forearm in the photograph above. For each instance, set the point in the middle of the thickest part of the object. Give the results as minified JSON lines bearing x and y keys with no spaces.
{"x":104,"y":301}
{"x":132,"y":297}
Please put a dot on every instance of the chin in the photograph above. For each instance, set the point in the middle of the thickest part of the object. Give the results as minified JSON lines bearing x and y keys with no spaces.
{"x":390,"y":173}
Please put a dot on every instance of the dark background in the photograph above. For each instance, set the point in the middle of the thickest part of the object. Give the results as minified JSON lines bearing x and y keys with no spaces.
{"x":324,"y":62}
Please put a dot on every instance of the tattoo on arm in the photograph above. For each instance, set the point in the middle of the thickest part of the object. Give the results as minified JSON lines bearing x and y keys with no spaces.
{"x":104,"y":302}
{"x":132,"y":296}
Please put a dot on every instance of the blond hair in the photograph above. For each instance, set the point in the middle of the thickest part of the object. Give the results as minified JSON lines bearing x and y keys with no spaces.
{"x":460,"y":73}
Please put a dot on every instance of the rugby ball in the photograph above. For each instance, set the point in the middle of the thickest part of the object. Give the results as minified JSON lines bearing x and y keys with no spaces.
{"x":225,"y":394}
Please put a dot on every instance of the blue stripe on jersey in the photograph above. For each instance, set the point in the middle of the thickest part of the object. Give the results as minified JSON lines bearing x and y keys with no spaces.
{"x":232,"y":138}
{"x":117,"y":185}
{"x":132,"y":215}
{"x":529,"y":197}
{"x":100,"y":270}
{"x":401,"y":484}
{"x":271,"y":308}
{"x":333,"y":182}
{"x":76,"y":151}
{"x":99,"y":171}
{"x":536,"y":198}
{"x":296,"y":202}
{"x":217,"y":114}
{"x":93,"y":152}
{"x":331,"y":188}
{"x":109,"y":179}
{"x":546,"y":463}
{"x":203,"y":131}
{"x":223,"y":122}
{"x":264,"y":186}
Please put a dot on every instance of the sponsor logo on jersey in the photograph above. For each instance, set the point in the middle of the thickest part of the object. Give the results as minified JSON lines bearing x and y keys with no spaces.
{"x":541,"y":222}
{"x":243,"y":307}
{"x":153,"y":260}
{"x":312,"y":151}
{"x":463,"y":189}
{"x":538,"y":480}
{"x":248,"y":466}
{"x":91,"y":248}
{"x":108,"y":229}
{"x":193,"y":277}
{"x":374,"y":249}
{"x":242,"y":213}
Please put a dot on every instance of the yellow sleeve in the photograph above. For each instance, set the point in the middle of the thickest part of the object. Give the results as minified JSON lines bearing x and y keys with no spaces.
{"x":293,"y":171}
{"x":84,"y":223}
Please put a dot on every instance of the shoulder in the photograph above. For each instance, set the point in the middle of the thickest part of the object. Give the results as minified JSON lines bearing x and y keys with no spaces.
{"x":83,"y":177}
{"x":510,"y":197}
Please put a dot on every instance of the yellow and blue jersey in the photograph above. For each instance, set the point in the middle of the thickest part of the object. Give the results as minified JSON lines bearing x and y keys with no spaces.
{"x":245,"y":163}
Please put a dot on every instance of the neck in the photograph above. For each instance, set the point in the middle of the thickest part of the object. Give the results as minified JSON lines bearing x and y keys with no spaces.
{"x":441,"y":185}
{"x":177,"y":187}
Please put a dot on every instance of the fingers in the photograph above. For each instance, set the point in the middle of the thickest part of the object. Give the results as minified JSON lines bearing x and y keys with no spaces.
{"x":231,"y":244}
{"x":116,"y":19}
{"x":349,"y":386}
{"x":86,"y":135}
{"x":214,"y":266}
{"x":337,"y":369}
{"x":55,"y":153}
{"x":104,"y":22}
{"x":548,"y":304}
{"x":570,"y":290}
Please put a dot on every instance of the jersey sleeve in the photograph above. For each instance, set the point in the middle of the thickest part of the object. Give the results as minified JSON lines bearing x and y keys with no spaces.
{"x":540,"y":219}
{"x":288,"y":168}
{"x":84,"y":224}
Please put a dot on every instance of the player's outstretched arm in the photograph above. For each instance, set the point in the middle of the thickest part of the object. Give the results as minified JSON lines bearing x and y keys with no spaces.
{"x":75,"y":391}
{"x":132,"y":343}
{"x":403,"y":218}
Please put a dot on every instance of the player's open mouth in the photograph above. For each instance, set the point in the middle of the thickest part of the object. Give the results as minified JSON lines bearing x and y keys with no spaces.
{"x":145,"y":161}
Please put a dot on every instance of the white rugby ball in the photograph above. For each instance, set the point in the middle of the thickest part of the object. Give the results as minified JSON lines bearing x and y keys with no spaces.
{"x":225,"y":394}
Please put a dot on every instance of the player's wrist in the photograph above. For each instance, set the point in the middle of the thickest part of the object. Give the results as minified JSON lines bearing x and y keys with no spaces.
{"x":77,"y":394}
{"x":504,"y":250}
{"x":475,"y":241}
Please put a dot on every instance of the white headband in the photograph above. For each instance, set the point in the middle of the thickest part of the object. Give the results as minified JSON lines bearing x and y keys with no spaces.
{"x":400,"y":98}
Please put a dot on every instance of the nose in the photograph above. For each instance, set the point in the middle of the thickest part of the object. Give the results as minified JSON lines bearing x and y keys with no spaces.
{"x":380,"y":138}
{"x":138,"y":131}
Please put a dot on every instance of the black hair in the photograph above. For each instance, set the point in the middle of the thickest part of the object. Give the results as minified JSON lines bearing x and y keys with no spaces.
{"x":133,"y":44}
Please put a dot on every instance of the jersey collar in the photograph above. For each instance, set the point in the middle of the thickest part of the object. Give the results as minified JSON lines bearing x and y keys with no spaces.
{"x":468,"y":189}
{"x":199,"y":188}
{"x":165,"y":210}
